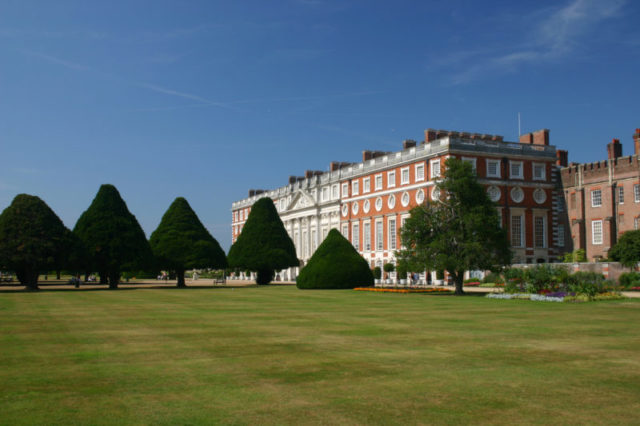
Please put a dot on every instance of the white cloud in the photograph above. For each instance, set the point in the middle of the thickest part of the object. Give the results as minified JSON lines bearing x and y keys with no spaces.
{"x":556,"y":34}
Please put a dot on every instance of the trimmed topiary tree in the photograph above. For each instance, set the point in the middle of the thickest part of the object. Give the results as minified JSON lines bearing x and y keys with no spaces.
{"x":181,"y":242}
{"x":627,"y":249}
{"x":263,"y":246}
{"x":334,"y":265}
{"x":114,"y":240}
{"x":32,"y":237}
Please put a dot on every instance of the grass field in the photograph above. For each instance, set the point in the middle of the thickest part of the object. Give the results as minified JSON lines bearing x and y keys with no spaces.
{"x":279,"y":355}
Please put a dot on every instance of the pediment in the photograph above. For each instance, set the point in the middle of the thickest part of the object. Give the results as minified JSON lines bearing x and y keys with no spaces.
{"x":301,"y":200}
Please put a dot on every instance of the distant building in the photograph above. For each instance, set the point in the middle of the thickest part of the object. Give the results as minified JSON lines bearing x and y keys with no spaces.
{"x":603,"y":200}
{"x":368,"y":201}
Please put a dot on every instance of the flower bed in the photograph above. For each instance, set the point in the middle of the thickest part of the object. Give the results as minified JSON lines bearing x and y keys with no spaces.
{"x":634,"y":289}
{"x":472,"y":284}
{"x":557,"y":297}
{"x":404,"y":290}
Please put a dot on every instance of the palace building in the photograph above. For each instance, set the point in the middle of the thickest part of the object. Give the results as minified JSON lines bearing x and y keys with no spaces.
{"x":602,"y":201}
{"x":369,"y":200}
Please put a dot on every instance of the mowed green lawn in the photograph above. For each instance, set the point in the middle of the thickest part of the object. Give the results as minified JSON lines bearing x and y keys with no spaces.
{"x":278,"y":355}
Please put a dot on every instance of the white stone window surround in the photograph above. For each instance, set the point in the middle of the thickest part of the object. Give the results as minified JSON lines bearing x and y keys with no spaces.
{"x":419,"y":172}
{"x":516,"y":169}
{"x":596,"y":198}
{"x":493,"y":168}
{"x":405,"y":199}
{"x":404,"y":176}
{"x":517,"y":227}
{"x":366,"y":185}
{"x":434,"y":166}
{"x":391,"y":179}
{"x":355,"y":187}
{"x":391,"y":231}
{"x":471,"y":161}
{"x":539,"y":171}
{"x":355,"y":235}
{"x":378,"y":204}
{"x":596,"y":232}
{"x":366,"y":235}
{"x":636,"y":193}
{"x":621,"y":195}
{"x":366,"y":206}
{"x":420,"y":196}
{"x":378,"y":182}
{"x":517,"y":194}
{"x":325,"y":193}
{"x":379,"y":228}
{"x":345,"y":190}
{"x":391,"y":202}
{"x":494,"y":193}
{"x":334,"y":192}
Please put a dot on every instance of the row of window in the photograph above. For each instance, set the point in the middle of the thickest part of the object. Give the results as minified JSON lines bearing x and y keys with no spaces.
{"x":240,"y":215}
{"x":596,"y":196}
{"x":368,"y":244}
{"x":539,"y":231}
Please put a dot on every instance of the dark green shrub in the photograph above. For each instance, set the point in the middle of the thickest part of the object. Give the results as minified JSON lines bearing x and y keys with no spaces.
{"x":335,"y":265}
{"x":32,"y":238}
{"x":472,"y":280}
{"x":587,"y":283}
{"x":493,"y":277}
{"x":181,"y":242}
{"x":389,"y":267}
{"x":440,"y":274}
{"x":627,"y":249}
{"x":377,"y":273}
{"x":629,"y":279}
{"x":112,"y":236}
{"x":540,"y":277}
{"x":263,"y":246}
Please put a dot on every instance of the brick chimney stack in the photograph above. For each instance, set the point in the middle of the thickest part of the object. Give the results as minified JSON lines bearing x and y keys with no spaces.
{"x":562,"y":158}
{"x":539,"y":137}
{"x":408,"y":143}
{"x":614,"y":149}
{"x":636,"y":141}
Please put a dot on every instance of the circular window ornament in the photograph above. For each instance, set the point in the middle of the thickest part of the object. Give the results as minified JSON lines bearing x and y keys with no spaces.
{"x":391,"y":202}
{"x":405,"y":199}
{"x":435,"y":194}
{"x":517,"y":194}
{"x":366,"y":206}
{"x":354,"y":207}
{"x":539,"y":195}
{"x":378,"y":204}
{"x":420,"y":196}
{"x":494,"y":193}
{"x":345,"y":210}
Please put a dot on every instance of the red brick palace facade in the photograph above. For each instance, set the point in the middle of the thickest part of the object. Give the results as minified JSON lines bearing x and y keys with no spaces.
{"x":369,"y":200}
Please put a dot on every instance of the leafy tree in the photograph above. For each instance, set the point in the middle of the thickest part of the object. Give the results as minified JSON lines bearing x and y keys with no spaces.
{"x":335,"y":264}
{"x":460,"y":232}
{"x":32,"y":237}
{"x":627,"y":249}
{"x":113,"y":237}
{"x":181,"y":242}
{"x":263,"y":246}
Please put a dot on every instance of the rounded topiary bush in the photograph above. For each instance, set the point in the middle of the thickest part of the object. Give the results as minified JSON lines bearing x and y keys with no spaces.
{"x":335,"y":264}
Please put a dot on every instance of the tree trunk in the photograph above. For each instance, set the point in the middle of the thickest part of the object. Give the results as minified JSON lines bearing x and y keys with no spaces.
{"x":180,"y":278}
{"x":21,"y":276}
{"x":32,"y":279}
{"x":114,"y":279}
{"x":459,"y":281}
{"x":104,"y":277}
{"x":58,"y":274}
{"x":264,"y":276}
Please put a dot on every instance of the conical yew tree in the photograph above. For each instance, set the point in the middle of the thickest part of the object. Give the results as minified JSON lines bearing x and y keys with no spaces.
{"x":263,"y":246}
{"x":335,"y":264}
{"x":32,"y":236}
{"x":112,"y":236}
{"x":181,"y":242}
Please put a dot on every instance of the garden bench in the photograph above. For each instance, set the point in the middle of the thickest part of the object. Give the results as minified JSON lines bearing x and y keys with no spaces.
{"x":219,"y":281}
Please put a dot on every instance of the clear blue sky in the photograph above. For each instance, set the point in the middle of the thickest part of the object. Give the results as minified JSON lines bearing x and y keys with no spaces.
{"x":207,"y":99}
